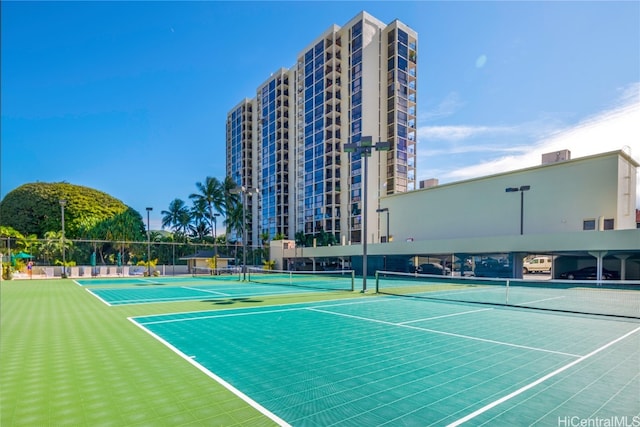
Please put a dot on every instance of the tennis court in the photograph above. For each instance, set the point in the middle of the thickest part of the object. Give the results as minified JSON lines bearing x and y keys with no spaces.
{"x":260,"y":283}
{"x":609,"y":298}
{"x":388,"y":360}
{"x":151,"y":281}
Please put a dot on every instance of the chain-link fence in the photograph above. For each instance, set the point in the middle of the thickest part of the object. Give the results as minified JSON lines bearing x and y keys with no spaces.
{"x":99,"y":257}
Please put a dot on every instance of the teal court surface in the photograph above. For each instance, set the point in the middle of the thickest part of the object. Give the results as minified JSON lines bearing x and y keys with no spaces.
{"x":397,"y":361}
{"x":146,"y":290}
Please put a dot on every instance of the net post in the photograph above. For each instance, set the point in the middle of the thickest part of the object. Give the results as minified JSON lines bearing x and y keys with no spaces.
{"x":353,"y":280}
{"x":507,"y":293}
{"x":377,"y":283}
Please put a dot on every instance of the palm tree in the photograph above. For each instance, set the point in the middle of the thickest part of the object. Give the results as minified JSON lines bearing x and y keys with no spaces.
{"x":184,"y":222}
{"x":199,"y":224}
{"x":264,"y":237}
{"x":53,"y":244}
{"x":234,"y":220}
{"x":211,"y":195}
{"x":230,"y":199}
{"x":301,"y":238}
{"x":173,"y":218}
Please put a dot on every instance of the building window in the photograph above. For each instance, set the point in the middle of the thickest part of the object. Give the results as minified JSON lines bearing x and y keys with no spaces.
{"x":589,"y":224}
{"x":608,"y":224}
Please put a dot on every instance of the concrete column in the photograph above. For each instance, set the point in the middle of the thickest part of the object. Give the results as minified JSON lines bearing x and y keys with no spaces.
{"x":623,"y":265}
{"x":598,"y":255}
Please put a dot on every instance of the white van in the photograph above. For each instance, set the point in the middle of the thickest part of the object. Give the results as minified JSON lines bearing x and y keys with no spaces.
{"x":539,"y":264}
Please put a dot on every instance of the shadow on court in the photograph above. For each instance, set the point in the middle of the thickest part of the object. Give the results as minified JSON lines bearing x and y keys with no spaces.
{"x":231,"y":301}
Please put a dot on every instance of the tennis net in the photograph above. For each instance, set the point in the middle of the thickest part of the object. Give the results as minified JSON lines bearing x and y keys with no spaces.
{"x":229,"y":273}
{"x":342,"y":280}
{"x":609,"y":298}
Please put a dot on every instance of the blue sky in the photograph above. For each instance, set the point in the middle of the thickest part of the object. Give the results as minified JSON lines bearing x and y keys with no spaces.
{"x":130,"y":98}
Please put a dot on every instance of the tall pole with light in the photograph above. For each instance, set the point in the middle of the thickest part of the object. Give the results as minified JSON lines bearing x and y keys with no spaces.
{"x":521,"y":190}
{"x":148,"y":244}
{"x":244,"y":191}
{"x":387,"y":211}
{"x":365,"y":147}
{"x":63,"y":203}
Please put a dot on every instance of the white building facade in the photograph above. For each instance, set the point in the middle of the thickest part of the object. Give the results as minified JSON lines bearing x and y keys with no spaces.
{"x":595,"y":193}
{"x":581,"y":212}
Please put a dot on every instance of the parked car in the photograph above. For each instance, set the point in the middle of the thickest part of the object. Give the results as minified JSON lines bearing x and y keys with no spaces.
{"x":433,"y":268}
{"x":539,"y":264}
{"x":589,"y":273}
{"x":493,"y":268}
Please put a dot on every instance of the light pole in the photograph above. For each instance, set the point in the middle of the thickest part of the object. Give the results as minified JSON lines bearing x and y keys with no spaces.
{"x":148,"y":244}
{"x":521,"y":190}
{"x":364,"y":148}
{"x":387,"y":211}
{"x":244,"y":190}
{"x":63,"y":202}
{"x":214,"y":218}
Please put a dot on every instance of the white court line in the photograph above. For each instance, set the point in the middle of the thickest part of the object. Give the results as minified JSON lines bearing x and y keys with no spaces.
{"x":179,"y":299}
{"x":445,"y":333}
{"x":97,"y":296}
{"x":538,"y":381}
{"x":154,"y":300}
{"x":264,"y":411}
{"x":206,"y":290}
{"x":213,"y":316}
{"x":443,"y":316}
{"x":220,"y":316}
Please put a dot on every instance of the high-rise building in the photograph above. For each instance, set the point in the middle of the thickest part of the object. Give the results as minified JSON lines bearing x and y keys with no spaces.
{"x":352,"y":81}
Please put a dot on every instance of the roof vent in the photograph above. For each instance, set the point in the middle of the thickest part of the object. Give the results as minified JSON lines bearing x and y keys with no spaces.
{"x":556,"y":156}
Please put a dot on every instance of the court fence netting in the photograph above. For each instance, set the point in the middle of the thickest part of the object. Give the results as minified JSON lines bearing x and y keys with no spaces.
{"x":608,"y":298}
{"x":228,"y":273}
{"x":334,"y":280}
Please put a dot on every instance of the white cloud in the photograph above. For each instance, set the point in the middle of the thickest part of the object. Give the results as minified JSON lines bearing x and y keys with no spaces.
{"x":449,"y":105}
{"x":617,"y":128}
{"x":611,"y":130}
{"x":456,"y":133}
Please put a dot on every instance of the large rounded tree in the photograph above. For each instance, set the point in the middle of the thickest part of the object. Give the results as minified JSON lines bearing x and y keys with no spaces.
{"x":35,"y":209}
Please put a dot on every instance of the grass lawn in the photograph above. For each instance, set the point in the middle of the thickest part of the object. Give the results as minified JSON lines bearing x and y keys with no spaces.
{"x":67,"y":359}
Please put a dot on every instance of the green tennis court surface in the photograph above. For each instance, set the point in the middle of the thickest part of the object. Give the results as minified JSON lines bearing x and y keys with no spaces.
{"x":147,"y":295}
{"x":151,"y":281}
{"x":609,"y":298}
{"x":143,"y":290}
{"x":400,"y":361}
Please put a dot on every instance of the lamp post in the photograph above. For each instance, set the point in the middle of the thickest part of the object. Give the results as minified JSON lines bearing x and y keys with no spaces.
{"x":365,"y":147}
{"x":148,"y":244}
{"x":387,"y":211}
{"x":244,"y":191}
{"x":63,"y":203}
{"x":520,"y":190}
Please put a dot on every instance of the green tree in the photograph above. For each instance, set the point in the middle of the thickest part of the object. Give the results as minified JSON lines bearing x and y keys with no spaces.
{"x":174,"y":218}
{"x":52,"y":246}
{"x":234,"y":220}
{"x":35,"y":209}
{"x":302,"y":239}
{"x":199,"y":225}
{"x":211,"y":194}
{"x":230,"y":199}
{"x":264,"y":238}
